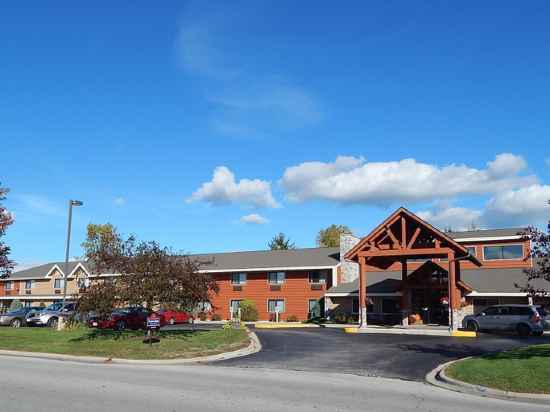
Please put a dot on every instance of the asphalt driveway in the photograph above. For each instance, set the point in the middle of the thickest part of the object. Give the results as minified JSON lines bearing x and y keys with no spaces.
{"x":392,"y":356}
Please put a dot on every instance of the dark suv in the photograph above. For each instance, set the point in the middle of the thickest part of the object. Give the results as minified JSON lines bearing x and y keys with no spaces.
{"x":523,"y":319}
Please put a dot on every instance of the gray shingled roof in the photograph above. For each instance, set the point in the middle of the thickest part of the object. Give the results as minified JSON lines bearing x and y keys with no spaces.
{"x":486,"y":233}
{"x":305,"y":258}
{"x":41,"y":271}
{"x":481,"y":280}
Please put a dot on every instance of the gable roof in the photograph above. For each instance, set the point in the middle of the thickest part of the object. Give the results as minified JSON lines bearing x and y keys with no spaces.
{"x":41,"y":271}
{"x":391,"y":219}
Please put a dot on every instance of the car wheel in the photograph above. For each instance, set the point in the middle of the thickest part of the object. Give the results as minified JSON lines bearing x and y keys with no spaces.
{"x":52,"y":323}
{"x":473,"y":326}
{"x":172,"y":321}
{"x":120,"y":325}
{"x":15,"y":323}
{"x":523,"y":330}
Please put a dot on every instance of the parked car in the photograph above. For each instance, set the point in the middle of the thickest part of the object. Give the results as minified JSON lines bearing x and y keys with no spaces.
{"x":172,"y":317}
{"x":523,"y":319}
{"x":50,"y":315}
{"x":120,"y":319}
{"x":16,"y":318}
{"x":543,"y":312}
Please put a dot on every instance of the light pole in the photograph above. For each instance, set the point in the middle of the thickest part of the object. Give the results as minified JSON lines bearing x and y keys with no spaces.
{"x":66,"y":268}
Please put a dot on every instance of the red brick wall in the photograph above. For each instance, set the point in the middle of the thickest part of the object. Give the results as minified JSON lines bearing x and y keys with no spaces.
{"x":296,"y":292}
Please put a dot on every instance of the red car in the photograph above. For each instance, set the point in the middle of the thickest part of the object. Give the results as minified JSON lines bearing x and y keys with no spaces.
{"x":171,"y":317}
{"x":120,"y":319}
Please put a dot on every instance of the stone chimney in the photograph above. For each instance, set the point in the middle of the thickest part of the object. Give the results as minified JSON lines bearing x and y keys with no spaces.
{"x":349,"y":269}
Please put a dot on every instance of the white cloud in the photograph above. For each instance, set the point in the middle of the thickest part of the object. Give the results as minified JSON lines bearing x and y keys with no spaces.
{"x":457,"y":218}
{"x":522,"y":206}
{"x":224,"y":189}
{"x":37,"y":205}
{"x":119,"y":201}
{"x":506,"y":164}
{"x":254,"y":219}
{"x":515,"y":207}
{"x":246,"y":101}
{"x":350,"y":180}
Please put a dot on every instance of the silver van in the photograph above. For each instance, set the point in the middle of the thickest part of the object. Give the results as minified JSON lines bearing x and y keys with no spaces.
{"x":523,"y":319}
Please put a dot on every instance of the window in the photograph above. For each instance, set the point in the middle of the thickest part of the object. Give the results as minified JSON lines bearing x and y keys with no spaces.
{"x":234,"y":306}
{"x":58,"y":283}
{"x":29,"y":284}
{"x":8,"y":285}
{"x":238,"y":278}
{"x":81,"y":283}
{"x":317,"y":277}
{"x":314,"y":308}
{"x":471,"y":250}
{"x":503,"y":252}
{"x":276,"y":278}
{"x":275,"y":305}
{"x":521,"y":311}
{"x":491,"y":311}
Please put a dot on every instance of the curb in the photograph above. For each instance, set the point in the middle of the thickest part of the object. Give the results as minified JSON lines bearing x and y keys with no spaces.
{"x":283,"y":325}
{"x":419,"y":332}
{"x":253,"y":347}
{"x":437,"y":377}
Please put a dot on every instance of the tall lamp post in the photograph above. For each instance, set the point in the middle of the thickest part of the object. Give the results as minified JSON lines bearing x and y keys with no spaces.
{"x":66,"y":268}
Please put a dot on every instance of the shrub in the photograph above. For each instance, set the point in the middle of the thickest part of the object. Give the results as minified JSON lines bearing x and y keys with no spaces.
{"x":340,"y":318}
{"x":202,"y":316}
{"x":292,"y":318}
{"x":249,"y":313}
{"x":215,"y":316}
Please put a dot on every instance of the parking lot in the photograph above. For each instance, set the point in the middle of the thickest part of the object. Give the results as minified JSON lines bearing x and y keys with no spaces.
{"x":393,"y":356}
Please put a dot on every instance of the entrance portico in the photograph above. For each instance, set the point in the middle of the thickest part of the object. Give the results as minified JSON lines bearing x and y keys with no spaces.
{"x":402,"y":237}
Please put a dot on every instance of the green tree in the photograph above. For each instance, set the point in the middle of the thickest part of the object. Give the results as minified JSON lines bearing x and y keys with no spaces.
{"x":249,"y":313}
{"x":538,"y":276}
{"x":330,"y":237}
{"x":6,"y":219}
{"x":147,"y":274}
{"x":15,"y":305}
{"x":280,"y":242}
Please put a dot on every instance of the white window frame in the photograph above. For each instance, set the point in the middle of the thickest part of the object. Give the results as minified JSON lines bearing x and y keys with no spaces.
{"x":276,"y":300}
{"x":242,"y":278}
{"x":8,"y":285}
{"x":503,"y":245}
{"x":231,"y":303}
{"x":277,"y":282}
{"x":32,"y":282}
{"x":61,"y":284}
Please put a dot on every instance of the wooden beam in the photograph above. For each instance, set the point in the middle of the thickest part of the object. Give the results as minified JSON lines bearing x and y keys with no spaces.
{"x":403,"y":233}
{"x":414,"y":237}
{"x":393,"y":238}
{"x":407,"y":252}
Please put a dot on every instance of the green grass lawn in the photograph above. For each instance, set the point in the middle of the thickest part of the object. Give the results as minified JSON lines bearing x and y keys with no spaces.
{"x":519,"y":370}
{"x":128,"y":344}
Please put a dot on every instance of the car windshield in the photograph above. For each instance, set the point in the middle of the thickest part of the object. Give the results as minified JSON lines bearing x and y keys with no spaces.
{"x":542,"y":312}
{"x":54,"y":306}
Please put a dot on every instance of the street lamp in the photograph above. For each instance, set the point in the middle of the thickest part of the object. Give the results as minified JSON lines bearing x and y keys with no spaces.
{"x":66,"y":268}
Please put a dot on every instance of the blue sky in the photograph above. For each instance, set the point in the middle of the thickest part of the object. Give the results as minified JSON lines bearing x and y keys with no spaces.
{"x":211,"y":126}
